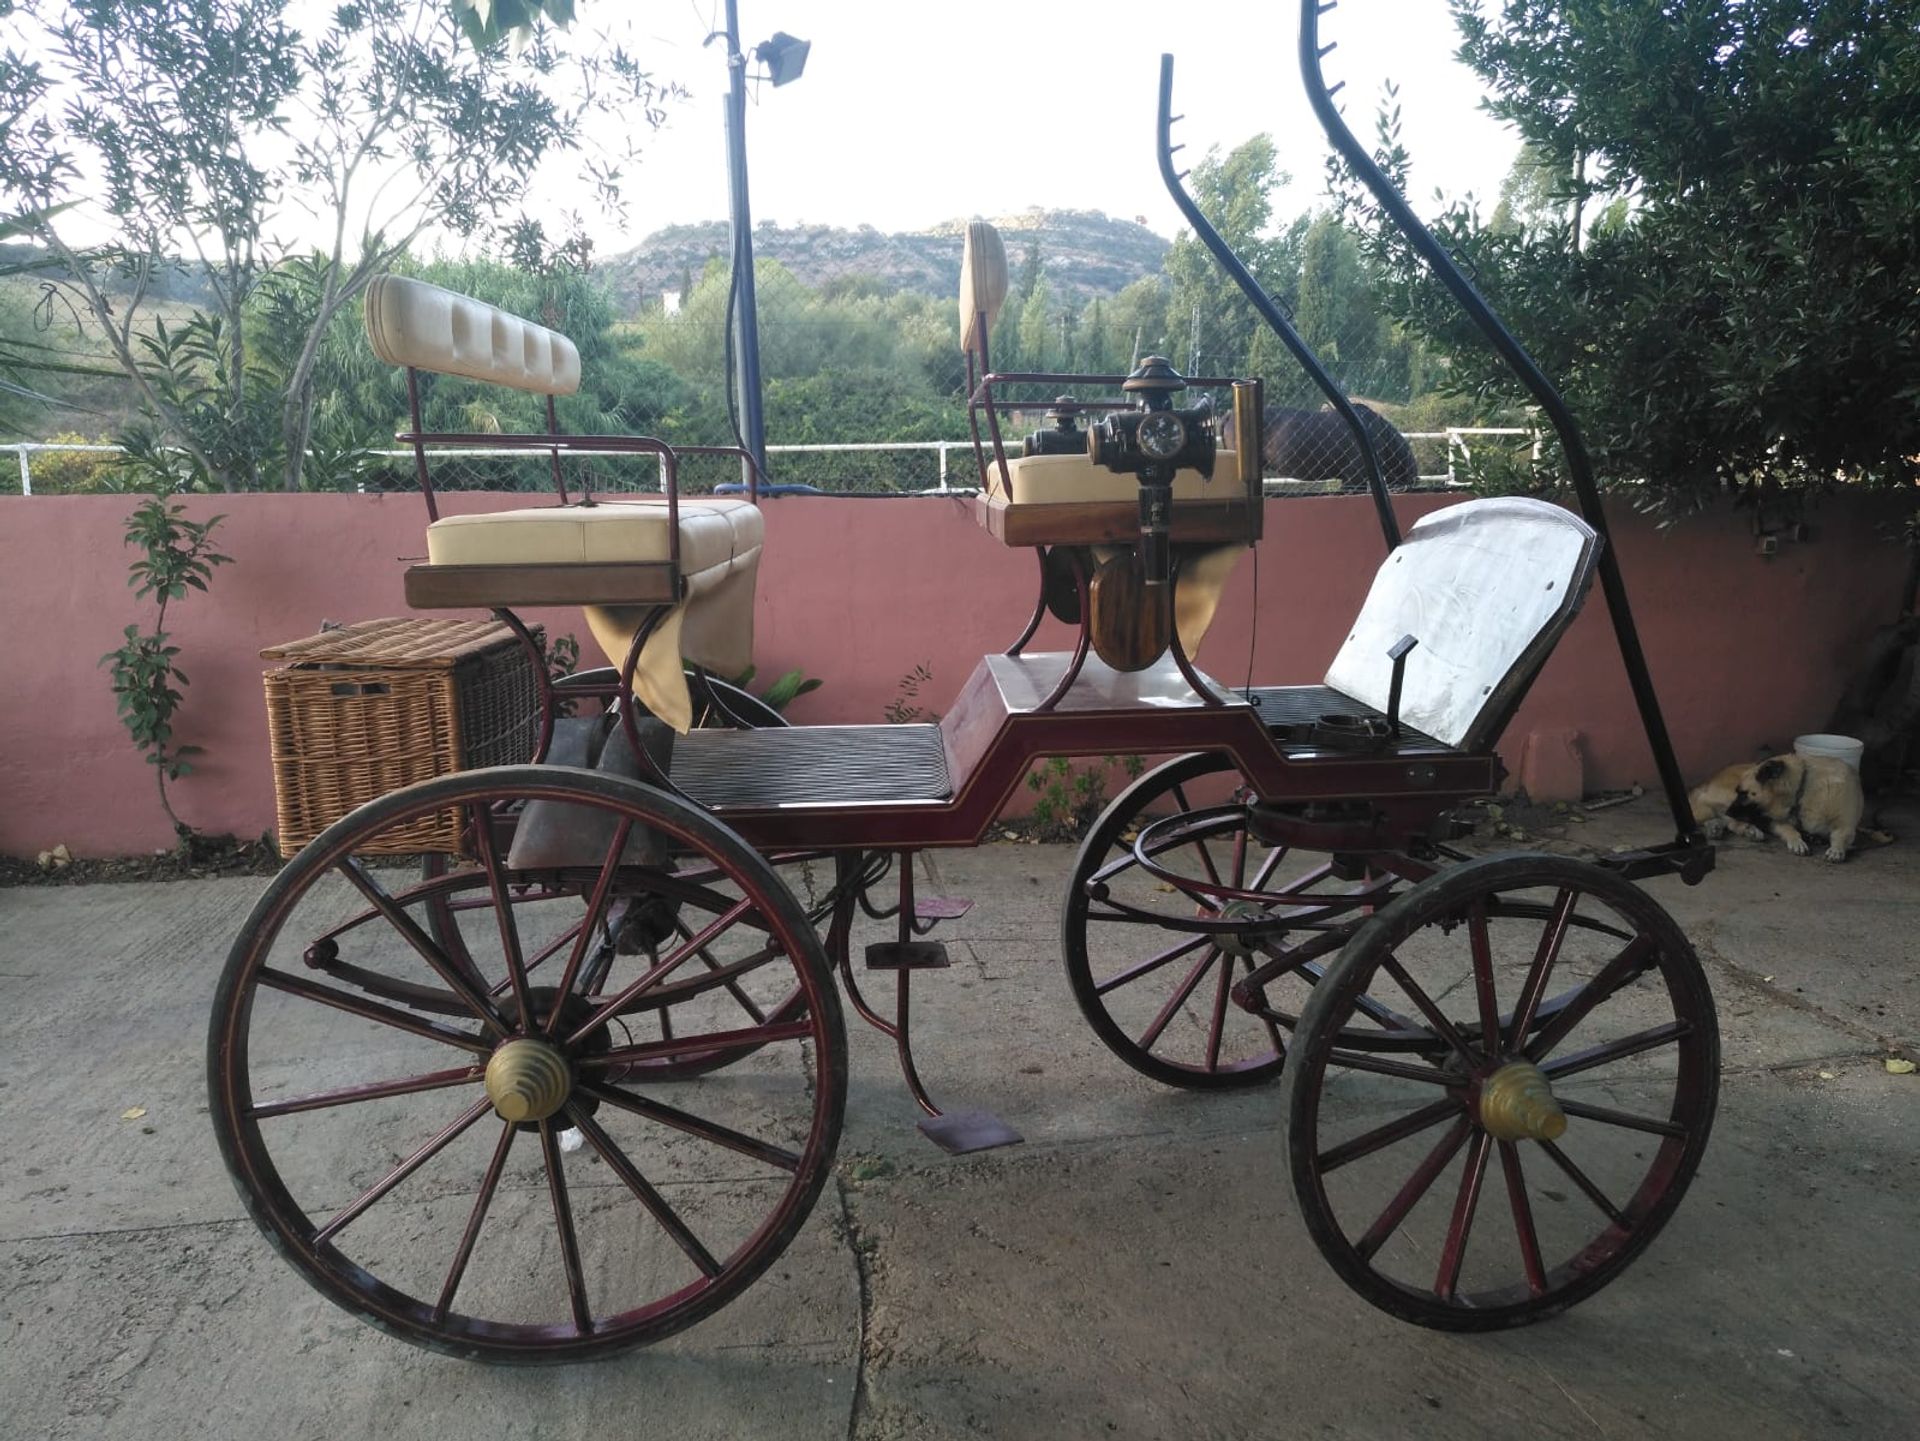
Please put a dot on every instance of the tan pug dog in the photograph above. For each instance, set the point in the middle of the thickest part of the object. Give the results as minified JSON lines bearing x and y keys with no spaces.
{"x":1789,"y":795}
{"x":1714,"y":799}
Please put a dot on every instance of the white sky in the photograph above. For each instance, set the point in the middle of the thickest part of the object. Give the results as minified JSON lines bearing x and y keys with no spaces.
{"x":912,"y":112}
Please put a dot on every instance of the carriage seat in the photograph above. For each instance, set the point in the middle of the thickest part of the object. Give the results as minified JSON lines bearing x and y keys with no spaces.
{"x":1486,"y":587}
{"x":612,"y":556}
{"x":1075,"y":479}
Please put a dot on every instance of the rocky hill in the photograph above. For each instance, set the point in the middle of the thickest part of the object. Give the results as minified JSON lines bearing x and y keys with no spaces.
{"x":1084,"y":252}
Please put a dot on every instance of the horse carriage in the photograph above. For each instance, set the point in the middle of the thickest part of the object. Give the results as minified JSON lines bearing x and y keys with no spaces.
{"x":537,"y":1061}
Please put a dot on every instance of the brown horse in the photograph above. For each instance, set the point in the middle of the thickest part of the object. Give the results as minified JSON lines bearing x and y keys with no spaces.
{"x":1320,"y":445}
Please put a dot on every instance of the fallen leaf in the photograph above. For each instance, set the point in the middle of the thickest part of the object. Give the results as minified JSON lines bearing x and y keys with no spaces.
{"x":1898,"y":1066}
{"x":1829,"y":1075}
{"x":133,"y":1113}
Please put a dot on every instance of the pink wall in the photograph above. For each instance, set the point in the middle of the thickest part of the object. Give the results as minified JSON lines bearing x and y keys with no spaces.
{"x":1745,"y":651}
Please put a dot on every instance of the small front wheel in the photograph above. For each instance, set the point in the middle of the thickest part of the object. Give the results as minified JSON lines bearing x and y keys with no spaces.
{"x":1499,"y":1092}
{"x":401,"y":1121}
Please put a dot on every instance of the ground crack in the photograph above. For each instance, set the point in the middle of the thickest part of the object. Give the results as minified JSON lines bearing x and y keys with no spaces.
{"x":856,"y":1243}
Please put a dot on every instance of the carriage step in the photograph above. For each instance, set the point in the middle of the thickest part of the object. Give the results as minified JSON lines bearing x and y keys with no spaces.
{"x":940,"y":908}
{"x":907,"y":956}
{"x":958,"y":1132}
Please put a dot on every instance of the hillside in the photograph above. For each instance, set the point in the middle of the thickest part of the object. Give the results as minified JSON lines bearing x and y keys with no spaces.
{"x":1084,"y":252}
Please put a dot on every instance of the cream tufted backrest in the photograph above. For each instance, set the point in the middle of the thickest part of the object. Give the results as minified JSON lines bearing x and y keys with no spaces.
{"x":410,"y":322}
{"x":983,"y":281}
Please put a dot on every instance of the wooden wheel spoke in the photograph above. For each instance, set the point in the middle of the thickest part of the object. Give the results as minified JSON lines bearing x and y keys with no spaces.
{"x":693,"y":1125}
{"x":464,"y":1253}
{"x":1481,"y":947}
{"x":590,"y":926}
{"x":1411,"y":1124}
{"x":539,"y":958}
{"x":1149,"y":966}
{"x":1583,"y":1182}
{"x":399,"y":1173}
{"x":372,"y":1011}
{"x":1412,"y":1189}
{"x":1446,"y":1280}
{"x":715,"y":968}
{"x":370,"y":1091}
{"x":488,"y":854}
{"x":454,"y":976}
{"x":1362,"y":1061}
{"x":1267,"y":868}
{"x":1607,"y":1116}
{"x":1181,"y":992}
{"x":700,"y":1044}
{"x":1218,"y":1022}
{"x":1535,"y":985}
{"x":1436,"y":1018}
{"x":1206,"y":856}
{"x":1637,"y":1044}
{"x":563,"y":1224}
{"x":1523,"y":1229}
{"x":660,"y":972}
{"x":1633,"y":960}
{"x":655,"y":1204}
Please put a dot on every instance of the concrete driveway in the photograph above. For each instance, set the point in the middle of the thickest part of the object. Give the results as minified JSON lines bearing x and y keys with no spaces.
{"x":1136,"y":1269}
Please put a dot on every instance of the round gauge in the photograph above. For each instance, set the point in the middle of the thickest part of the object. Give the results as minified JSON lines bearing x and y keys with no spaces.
{"x":1162,"y":434}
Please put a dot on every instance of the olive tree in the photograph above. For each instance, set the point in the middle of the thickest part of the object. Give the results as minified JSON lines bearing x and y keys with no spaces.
{"x":279,"y":168}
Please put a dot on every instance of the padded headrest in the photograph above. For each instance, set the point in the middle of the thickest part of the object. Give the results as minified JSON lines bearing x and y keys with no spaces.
{"x":410,"y":322}
{"x":983,"y":280}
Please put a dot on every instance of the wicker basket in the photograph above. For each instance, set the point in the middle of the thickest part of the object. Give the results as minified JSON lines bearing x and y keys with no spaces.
{"x":360,"y":711}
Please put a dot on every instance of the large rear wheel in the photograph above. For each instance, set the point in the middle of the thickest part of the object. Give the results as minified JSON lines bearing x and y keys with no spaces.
{"x":393,"y":1117}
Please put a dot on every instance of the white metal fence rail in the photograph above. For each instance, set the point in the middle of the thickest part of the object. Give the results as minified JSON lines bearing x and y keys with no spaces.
{"x":1459,"y":441}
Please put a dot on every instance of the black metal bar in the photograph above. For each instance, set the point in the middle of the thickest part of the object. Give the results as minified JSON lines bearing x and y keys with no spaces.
{"x":1579,"y":464}
{"x":419,"y":453}
{"x":553,"y":456}
{"x":1270,"y":312}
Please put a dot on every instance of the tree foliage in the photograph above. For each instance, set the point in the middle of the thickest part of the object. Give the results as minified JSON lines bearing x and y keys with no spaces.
{"x":204,"y":125}
{"x":1726,"y":288}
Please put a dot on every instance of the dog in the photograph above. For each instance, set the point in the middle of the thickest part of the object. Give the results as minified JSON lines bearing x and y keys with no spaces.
{"x":1789,"y":796}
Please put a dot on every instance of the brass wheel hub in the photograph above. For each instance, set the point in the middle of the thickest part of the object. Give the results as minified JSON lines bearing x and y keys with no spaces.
{"x":1517,"y":1104}
{"x":527,"y":1080}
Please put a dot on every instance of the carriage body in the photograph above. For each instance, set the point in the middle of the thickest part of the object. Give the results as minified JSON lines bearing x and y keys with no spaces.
{"x":640,"y":926}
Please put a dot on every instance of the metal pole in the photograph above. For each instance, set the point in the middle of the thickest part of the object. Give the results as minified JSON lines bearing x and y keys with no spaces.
{"x":746,"y":320}
{"x":26,"y":473}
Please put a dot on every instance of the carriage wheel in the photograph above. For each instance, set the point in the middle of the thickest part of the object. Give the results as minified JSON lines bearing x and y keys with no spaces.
{"x":1499,"y":1093}
{"x":719,"y":706}
{"x":1159,"y":996}
{"x":395,"y":1125}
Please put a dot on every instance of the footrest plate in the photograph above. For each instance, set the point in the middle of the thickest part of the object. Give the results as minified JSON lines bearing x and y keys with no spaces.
{"x":907,"y":956}
{"x":959,"y":1132}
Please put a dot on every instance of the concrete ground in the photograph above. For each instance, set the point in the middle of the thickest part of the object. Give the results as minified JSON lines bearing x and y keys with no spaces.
{"x":1136,"y":1269}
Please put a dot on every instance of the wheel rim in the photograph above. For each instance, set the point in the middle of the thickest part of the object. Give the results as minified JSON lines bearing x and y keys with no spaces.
{"x":416,"y":1167}
{"x":1501,"y":1091}
{"x":1156,"y":992}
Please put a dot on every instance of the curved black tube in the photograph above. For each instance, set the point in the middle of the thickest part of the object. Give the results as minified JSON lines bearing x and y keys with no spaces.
{"x":1269,"y":312}
{"x":1579,"y":464}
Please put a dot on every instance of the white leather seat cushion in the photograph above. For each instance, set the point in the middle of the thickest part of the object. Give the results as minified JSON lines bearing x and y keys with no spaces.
{"x":609,"y":532}
{"x":720,"y":543}
{"x":1064,"y":479}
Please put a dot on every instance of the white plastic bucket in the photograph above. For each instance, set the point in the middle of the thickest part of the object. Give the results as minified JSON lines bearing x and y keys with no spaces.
{"x":1839,"y":748}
